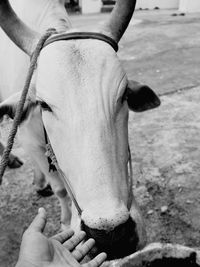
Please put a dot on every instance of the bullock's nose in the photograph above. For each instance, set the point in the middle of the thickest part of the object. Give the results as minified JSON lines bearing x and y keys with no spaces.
{"x":118,"y":243}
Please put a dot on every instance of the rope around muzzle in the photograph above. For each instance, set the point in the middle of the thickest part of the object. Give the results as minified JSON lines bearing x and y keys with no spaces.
{"x":21,"y":103}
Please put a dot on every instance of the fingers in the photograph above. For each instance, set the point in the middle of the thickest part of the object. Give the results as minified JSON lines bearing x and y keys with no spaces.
{"x":39,"y":222}
{"x":81,"y":251}
{"x":97,"y":261}
{"x":63,"y":236}
{"x":74,"y":241}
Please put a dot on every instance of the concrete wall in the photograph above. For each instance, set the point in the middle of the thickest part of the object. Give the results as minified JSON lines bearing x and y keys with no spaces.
{"x":94,"y":6}
{"x":189,"y":6}
{"x":162,"y":4}
{"x":182,"y":5}
{"x":90,"y":6}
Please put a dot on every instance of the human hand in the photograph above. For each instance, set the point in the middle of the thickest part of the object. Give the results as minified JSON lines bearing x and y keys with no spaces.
{"x":61,"y":250}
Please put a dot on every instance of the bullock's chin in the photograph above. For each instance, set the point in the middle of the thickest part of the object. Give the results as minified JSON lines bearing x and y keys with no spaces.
{"x":118,"y":243}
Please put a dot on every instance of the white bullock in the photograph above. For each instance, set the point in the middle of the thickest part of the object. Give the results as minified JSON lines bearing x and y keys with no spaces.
{"x":81,"y":94}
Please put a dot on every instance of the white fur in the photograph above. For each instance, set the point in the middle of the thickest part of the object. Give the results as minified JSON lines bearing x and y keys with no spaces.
{"x":83,"y":81}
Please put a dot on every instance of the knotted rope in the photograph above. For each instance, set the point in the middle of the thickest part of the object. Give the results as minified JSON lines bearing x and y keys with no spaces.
{"x":21,"y":103}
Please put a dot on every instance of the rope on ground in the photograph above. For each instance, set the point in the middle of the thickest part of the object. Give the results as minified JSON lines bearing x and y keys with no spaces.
{"x":20,"y":105}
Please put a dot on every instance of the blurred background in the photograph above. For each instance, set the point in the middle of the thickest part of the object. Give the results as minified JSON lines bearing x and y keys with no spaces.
{"x":95,"y":6}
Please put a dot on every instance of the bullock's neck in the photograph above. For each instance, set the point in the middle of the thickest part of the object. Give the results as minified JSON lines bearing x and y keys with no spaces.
{"x":43,"y":14}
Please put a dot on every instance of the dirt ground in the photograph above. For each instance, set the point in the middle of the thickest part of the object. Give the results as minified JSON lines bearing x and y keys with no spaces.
{"x":165,"y":142}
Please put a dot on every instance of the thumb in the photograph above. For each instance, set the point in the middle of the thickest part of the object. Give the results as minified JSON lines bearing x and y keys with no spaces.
{"x":39,"y":222}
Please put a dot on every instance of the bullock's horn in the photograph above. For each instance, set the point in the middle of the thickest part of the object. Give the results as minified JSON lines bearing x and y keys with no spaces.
{"x":120,"y":18}
{"x":24,"y":37}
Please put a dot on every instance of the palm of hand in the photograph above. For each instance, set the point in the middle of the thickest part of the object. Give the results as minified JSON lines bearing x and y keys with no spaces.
{"x":64,"y":249}
{"x":46,"y":252}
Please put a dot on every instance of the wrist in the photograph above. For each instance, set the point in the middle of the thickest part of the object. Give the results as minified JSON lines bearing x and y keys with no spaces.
{"x":20,"y":264}
{"x":24,"y":264}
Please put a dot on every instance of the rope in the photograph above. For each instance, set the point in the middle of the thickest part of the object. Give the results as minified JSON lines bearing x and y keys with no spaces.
{"x":50,"y":154}
{"x":20,"y":105}
{"x":130,"y":181}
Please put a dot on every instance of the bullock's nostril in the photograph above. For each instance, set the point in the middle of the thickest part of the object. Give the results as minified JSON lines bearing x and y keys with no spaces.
{"x":118,"y":243}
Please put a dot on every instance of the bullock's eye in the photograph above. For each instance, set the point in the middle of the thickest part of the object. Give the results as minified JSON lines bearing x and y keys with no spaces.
{"x":45,"y":106}
{"x":124,"y":96}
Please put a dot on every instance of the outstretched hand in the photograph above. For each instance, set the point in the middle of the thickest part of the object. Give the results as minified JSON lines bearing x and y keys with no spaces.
{"x":61,"y":250}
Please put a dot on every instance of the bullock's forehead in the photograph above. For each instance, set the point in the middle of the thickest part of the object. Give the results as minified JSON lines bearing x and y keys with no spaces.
{"x":78,"y":64}
{"x":79,"y":52}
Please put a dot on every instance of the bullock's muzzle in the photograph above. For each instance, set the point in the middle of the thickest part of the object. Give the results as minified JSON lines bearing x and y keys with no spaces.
{"x":118,"y":243}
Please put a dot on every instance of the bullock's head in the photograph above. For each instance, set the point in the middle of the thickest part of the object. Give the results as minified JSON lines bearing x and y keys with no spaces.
{"x":85,"y":96}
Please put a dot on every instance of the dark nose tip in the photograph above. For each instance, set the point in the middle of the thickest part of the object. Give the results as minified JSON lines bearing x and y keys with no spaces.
{"x":118,"y":243}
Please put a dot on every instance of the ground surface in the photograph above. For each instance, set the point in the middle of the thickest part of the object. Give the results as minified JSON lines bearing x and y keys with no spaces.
{"x":164,"y":52}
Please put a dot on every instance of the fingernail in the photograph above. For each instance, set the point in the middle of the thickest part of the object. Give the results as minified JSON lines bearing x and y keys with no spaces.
{"x":69,"y":232}
{"x":91,"y":240}
{"x":82,"y":233}
{"x":104,"y":255}
{"x":41,"y":210}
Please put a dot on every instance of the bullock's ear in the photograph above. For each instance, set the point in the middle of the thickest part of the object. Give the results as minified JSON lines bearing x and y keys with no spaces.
{"x":9,"y":106}
{"x":140,"y":97}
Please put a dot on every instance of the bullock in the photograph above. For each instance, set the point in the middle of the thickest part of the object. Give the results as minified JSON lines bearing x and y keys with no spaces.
{"x":80,"y":95}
